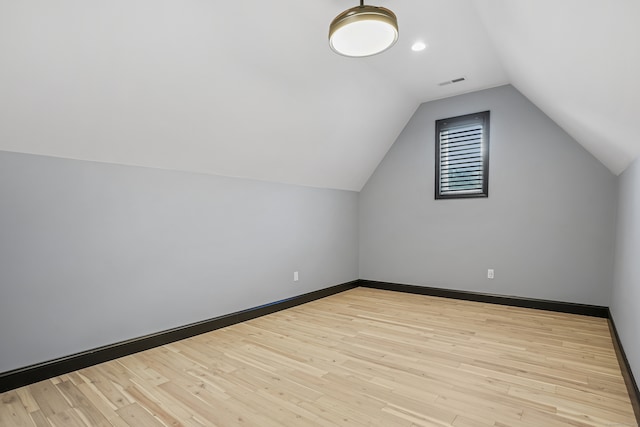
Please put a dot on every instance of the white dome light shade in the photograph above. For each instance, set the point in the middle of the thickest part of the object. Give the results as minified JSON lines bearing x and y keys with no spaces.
{"x":363,"y":31}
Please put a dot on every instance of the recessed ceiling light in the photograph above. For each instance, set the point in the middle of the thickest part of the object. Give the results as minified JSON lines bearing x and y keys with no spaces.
{"x":418,"y":46}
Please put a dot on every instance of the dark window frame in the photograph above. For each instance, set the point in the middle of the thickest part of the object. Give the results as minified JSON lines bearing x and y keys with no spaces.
{"x":484,"y":118}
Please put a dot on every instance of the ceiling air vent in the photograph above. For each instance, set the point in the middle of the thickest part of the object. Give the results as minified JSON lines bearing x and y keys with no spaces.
{"x":448,"y":82}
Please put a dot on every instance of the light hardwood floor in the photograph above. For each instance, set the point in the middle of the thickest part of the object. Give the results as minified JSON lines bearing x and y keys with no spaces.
{"x":362,"y":357}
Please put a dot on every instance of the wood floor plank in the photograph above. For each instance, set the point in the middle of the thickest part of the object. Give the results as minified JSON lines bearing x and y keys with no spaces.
{"x":154,"y":407}
{"x":136,"y":416}
{"x":158,"y":397}
{"x":27,"y":400}
{"x":48,"y":397}
{"x":13,"y":412}
{"x":78,"y":400}
{"x":361,"y":357}
{"x":105,"y":387}
{"x":68,"y":418}
{"x":38,"y":419}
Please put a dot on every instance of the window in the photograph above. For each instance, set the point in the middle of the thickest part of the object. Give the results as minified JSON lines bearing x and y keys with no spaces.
{"x":462,"y":156}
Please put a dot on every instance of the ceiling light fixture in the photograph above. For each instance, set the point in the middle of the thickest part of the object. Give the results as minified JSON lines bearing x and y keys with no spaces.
{"x":363,"y":31}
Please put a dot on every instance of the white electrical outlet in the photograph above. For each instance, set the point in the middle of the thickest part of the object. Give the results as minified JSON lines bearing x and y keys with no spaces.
{"x":295,"y":276}
{"x":490,"y":273}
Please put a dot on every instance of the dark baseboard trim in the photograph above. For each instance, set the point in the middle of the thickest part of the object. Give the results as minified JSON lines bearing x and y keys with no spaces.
{"x":625,"y":368}
{"x":563,"y":307}
{"x":42,"y":371}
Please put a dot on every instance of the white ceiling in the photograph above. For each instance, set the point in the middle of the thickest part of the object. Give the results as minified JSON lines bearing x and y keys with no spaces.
{"x":252,"y":89}
{"x":579,"y":62}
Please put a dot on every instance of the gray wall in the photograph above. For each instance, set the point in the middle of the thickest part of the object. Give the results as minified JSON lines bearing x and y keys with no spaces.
{"x":547,"y":228}
{"x":92,"y":254}
{"x":626,"y":288}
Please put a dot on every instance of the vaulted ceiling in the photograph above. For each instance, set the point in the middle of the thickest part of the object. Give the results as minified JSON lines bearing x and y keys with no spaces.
{"x":251,"y":88}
